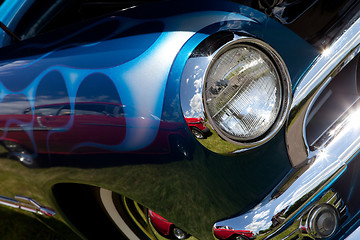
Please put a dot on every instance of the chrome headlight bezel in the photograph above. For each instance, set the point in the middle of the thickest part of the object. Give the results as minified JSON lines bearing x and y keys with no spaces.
{"x":284,"y":91}
{"x":197,"y":70}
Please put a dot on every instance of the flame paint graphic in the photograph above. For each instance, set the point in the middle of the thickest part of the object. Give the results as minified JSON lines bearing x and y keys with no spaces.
{"x":139,"y":80}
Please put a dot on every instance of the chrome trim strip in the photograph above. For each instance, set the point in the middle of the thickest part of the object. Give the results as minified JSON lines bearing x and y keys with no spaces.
{"x":26,"y":204}
{"x":326,"y":67}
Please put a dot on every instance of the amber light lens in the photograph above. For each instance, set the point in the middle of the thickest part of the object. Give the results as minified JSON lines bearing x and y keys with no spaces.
{"x":243,"y":93}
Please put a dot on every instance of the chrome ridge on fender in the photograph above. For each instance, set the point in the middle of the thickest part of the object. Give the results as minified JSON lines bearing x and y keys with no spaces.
{"x":322,"y":72}
{"x":27,"y":204}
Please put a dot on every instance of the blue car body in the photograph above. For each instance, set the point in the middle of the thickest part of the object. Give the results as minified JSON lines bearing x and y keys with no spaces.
{"x":142,"y":63}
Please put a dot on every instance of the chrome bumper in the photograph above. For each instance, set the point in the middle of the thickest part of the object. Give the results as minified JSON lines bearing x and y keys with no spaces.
{"x":287,"y":213}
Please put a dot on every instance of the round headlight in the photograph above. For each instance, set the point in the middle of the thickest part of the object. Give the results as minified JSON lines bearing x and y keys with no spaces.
{"x":244,"y":91}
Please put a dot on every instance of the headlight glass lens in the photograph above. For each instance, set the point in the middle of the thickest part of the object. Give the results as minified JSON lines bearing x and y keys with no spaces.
{"x":243,"y":92}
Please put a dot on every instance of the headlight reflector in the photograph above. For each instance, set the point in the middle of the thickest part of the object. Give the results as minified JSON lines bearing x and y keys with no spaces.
{"x":243,"y":92}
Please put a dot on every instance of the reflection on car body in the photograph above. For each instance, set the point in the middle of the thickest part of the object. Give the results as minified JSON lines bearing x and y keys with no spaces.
{"x":198,"y":128}
{"x":163,"y":119}
{"x":82,"y":128}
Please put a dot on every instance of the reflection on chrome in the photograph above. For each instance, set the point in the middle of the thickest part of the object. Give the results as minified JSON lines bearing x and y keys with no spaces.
{"x":344,"y":50}
{"x":285,"y":204}
{"x":26,"y":204}
{"x":300,"y":205}
{"x":327,"y":52}
{"x":223,"y":92}
{"x":354,"y":119}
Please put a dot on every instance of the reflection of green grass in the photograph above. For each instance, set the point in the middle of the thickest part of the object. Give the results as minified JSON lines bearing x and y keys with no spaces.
{"x":217,"y":144}
{"x":192,"y":192}
{"x":182,"y":186}
{"x":164,"y":185}
{"x":19,"y":224}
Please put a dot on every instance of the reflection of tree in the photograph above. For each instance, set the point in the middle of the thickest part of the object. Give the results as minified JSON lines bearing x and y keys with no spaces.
{"x":292,"y":209}
{"x":219,"y":86}
{"x":278,"y":219}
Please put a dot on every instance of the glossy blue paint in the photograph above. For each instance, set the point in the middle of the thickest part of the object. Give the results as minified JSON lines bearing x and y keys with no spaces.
{"x":137,"y":64}
{"x":147,"y":78}
{"x":126,"y":71}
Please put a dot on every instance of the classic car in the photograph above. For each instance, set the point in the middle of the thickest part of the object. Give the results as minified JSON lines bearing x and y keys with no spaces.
{"x":198,"y":128}
{"x":60,"y":130}
{"x":96,"y":102}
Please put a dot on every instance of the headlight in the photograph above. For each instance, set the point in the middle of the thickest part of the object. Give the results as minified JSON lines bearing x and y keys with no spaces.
{"x":245,"y":89}
{"x":242,"y":92}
